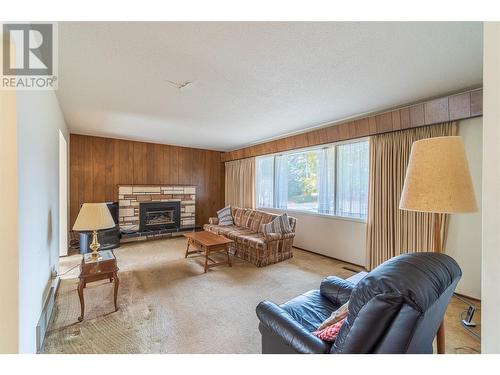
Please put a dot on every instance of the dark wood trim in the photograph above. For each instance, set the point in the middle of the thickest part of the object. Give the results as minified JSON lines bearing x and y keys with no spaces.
{"x":459,"y":106}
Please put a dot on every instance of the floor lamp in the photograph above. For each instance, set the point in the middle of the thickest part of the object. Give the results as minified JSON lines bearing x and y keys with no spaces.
{"x":438,"y":181}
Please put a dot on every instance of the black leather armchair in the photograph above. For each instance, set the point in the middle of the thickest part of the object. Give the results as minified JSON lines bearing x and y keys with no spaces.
{"x":396,"y":308}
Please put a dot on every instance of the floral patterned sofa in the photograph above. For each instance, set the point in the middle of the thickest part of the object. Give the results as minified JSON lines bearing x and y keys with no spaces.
{"x":249,"y":242}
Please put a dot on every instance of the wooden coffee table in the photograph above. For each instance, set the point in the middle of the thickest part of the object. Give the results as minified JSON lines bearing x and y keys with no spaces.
{"x":206,"y":243}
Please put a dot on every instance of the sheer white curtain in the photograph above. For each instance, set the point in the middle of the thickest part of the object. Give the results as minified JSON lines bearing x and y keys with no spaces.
{"x":281,"y":182}
{"x":265,"y":181}
{"x":351,"y":192}
{"x":326,"y":180}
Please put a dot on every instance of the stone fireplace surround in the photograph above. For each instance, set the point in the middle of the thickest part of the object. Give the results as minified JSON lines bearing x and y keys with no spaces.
{"x":130,"y":197}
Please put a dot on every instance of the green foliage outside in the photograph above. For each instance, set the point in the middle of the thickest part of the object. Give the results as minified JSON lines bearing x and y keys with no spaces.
{"x":302,"y":177}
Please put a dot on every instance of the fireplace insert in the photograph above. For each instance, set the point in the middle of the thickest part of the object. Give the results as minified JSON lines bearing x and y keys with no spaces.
{"x":154,"y":216}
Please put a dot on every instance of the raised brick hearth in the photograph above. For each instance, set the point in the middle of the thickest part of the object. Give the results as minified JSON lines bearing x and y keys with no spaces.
{"x":130,"y":197}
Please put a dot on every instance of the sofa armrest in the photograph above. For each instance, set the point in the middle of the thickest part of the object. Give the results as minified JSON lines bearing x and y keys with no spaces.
{"x":281,"y":324}
{"x":337,"y":290}
{"x":213,"y":220}
{"x":278,"y":236}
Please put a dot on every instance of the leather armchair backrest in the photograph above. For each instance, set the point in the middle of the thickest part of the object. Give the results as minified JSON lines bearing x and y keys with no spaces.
{"x":397,"y":308}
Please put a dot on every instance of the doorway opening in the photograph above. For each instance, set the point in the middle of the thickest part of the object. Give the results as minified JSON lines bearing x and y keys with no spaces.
{"x":63,"y":195}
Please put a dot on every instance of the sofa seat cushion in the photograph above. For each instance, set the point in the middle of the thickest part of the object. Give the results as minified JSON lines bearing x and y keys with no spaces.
{"x":219,"y":229}
{"x":255,"y":240}
{"x":310,"y":309}
{"x":230,"y":231}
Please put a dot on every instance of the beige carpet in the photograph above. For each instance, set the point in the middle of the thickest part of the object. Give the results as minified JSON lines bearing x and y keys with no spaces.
{"x":168,"y":305}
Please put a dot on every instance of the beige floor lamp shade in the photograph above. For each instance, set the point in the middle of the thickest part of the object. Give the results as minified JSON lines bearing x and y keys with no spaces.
{"x":93,"y":217}
{"x":438,"y":178}
{"x":438,"y":181}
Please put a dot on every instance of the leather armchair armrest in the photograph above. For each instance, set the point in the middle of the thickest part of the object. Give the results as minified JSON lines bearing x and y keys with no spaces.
{"x":213,"y":220}
{"x":278,"y":236}
{"x":337,"y":290}
{"x":281,"y":324}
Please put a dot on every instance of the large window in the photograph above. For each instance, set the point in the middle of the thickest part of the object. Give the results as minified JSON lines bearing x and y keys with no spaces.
{"x":329,"y":180}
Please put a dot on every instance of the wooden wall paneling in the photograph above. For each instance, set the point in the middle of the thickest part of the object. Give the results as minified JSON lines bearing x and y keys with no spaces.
{"x":284,"y":144}
{"x":363,"y":127}
{"x":116,"y":167}
{"x":436,"y":111}
{"x":98,"y":171}
{"x":322,"y":134}
{"x":185,"y":167}
{"x":352,"y":129}
{"x":199,"y":178}
{"x":333,"y":133}
{"x":384,"y":122}
{"x":174,"y":164}
{"x":417,"y":116}
{"x":404,"y":114}
{"x":151,"y":170}
{"x":343,"y":131}
{"x":312,"y":138}
{"x":159,"y":160}
{"x":130,"y":159}
{"x":372,"y":125}
{"x":293,"y":142}
{"x":453,"y":107}
{"x":459,"y":106}
{"x":98,"y":165}
{"x":109,"y":174}
{"x":165,"y":165}
{"x":476,"y":102}
{"x":222,"y":167}
{"x":137,"y":170}
{"x":88,"y":192}
{"x":396,"y":120}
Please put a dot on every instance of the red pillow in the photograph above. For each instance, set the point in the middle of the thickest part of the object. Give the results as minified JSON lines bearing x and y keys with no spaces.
{"x":329,"y":333}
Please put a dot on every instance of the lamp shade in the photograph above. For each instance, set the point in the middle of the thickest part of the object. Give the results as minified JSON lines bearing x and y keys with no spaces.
{"x":437,"y":178}
{"x":93,"y":216}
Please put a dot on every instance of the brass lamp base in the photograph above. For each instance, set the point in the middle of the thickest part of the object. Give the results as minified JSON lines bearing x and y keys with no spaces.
{"x":95,"y":246}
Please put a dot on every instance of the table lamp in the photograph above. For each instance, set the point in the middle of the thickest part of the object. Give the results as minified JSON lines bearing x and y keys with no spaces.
{"x":93,"y":217}
{"x":438,"y":181}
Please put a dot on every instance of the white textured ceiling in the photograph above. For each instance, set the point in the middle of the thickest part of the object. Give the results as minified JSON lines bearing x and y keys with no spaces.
{"x":252,"y":81}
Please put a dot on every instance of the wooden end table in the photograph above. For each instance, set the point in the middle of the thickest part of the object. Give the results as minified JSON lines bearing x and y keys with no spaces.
{"x":93,"y":269}
{"x":206,"y":243}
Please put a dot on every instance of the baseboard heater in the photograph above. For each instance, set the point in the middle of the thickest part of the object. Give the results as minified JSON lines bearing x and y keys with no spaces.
{"x":45,"y":317}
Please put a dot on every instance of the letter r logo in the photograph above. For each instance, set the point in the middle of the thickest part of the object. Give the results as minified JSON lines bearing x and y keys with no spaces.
{"x":32,"y":46}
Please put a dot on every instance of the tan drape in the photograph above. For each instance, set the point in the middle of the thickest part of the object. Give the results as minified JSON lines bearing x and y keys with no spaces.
{"x":391,"y":231}
{"x":240,"y":183}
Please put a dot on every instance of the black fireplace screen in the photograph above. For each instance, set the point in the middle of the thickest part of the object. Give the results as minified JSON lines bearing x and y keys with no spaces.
{"x":159,"y":215}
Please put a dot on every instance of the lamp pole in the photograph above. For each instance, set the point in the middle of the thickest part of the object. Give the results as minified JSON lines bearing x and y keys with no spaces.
{"x":438,"y":248}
